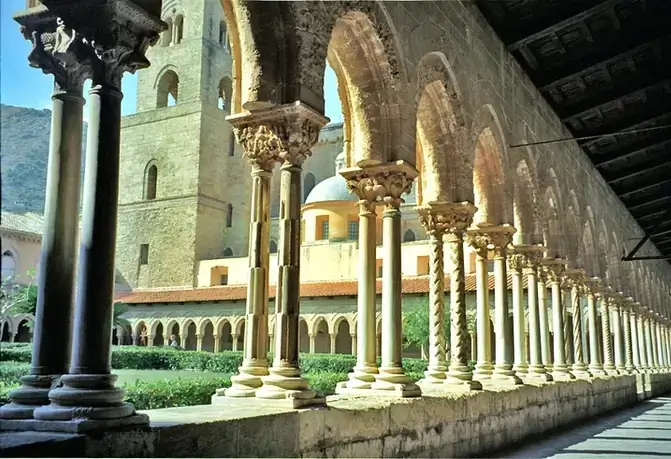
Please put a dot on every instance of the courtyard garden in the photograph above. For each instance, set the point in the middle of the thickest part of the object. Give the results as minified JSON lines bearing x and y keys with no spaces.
{"x":161,"y":377}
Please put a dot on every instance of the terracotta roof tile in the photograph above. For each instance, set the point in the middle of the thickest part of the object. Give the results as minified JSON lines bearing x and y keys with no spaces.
{"x":410,"y":285}
{"x":24,"y":222}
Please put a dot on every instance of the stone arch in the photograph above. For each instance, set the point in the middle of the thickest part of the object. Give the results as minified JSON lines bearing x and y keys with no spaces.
{"x":22,"y":332}
{"x":139,"y":330}
{"x":490,"y":190}
{"x":206,"y":331}
{"x":166,"y":39}
{"x":441,"y":133}
{"x":602,"y":252}
{"x":172,"y":327}
{"x":525,"y":215}
{"x":343,"y":337}
{"x":238,"y":325}
{"x":303,"y":336}
{"x":159,"y":339}
{"x":225,"y":332}
{"x":367,"y":88}
{"x":5,"y":333}
{"x":167,"y":87}
{"x":189,"y":334}
{"x":553,"y":239}
{"x":321,"y":335}
{"x":178,"y":26}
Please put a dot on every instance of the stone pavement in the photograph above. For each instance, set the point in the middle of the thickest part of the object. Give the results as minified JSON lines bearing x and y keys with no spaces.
{"x":642,"y":431}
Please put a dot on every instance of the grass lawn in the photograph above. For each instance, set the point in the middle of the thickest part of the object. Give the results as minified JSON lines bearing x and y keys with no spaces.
{"x":132,"y":376}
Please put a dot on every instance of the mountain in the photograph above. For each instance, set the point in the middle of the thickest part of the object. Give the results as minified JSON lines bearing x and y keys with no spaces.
{"x":24,"y":152}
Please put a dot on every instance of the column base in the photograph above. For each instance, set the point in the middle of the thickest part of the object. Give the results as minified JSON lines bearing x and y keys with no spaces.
{"x":521,"y":368}
{"x":33,"y":393}
{"x":361,"y":377}
{"x":75,"y":425}
{"x":394,"y":380}
{"x":286,"y":385}
{"x":504,"y":379}
{"x":247,"y":381}
{"x":483,"y":371}
{"x":597,"y":371}
{"x":435,"y":375}
{"x":536,"y":377}
{"x":562,"y":374}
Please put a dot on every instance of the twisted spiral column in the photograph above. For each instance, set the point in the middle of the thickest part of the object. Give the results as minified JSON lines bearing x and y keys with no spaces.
{"x":643,"y":339}
{"x":628,"y":346}
{"x":635,"y":345}
{"x":543,"y":321}
{"x":560,"y":370}
{"x":618,"y":342}
{"x":608,"y":364}
{"x":579,"y":368}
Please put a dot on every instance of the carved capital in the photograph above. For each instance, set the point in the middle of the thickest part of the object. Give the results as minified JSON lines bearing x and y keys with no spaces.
{"x":381,"y":184}
{"x":553,"y":268}
{"x":526,"y":258}
{"x":573,"y":278}
{"x":261,"y":146}
{"x":439,"y":218}
{"x":496,"y":238}
{"x":593,"y":285}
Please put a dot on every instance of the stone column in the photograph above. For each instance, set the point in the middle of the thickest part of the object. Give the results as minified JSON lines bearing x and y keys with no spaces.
{"x":560,"y":370}
{"x":363,"y":374}
{"x":576,"y":279}
{"x":665,"y":344}
{"x":217,"y":343}
{"x":297,"y":129}
{"x":261,"y":148}
{"x":312,"y":337}
{"x":55,"y":278}
{"x":633,"y":326}
{"x":393,"y":180}
{"x":354,"y":345}
{"x":543,"y":326}
{"x":498,"y":238}
{"x":643,"y":339}
{"x":626,"y":329}
{"x":568,"y":320}
{"x":453,"y":219}
{"x":618,"y":341}
{"x":516,"y":262}
{"x":608,"y":363}
{"x":532,"y":256}
{"x":595,"y":366}
{"x":653,"y":339}
{"x":87,"y":396}
{"x":660,"y":345}
{"x":234,"y":342}
{"x":483,"y":366}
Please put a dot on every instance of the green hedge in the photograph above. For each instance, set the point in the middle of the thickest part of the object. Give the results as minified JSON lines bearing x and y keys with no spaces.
{"x":11,"y":372}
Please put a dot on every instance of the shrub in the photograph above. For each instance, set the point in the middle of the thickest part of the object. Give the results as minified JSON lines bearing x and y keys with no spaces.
{"x":4,"y":390}
{"x":11,"y":372}
{"x":324,"y":382}
{"x":15,"y":353}
{"x":175,"y":392}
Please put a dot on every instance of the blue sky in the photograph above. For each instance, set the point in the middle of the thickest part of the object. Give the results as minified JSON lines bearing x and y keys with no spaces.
{"x":24,"y":86}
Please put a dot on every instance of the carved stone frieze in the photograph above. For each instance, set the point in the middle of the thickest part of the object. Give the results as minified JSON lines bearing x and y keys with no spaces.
{"x":381,"y":184}
{"x":285,"y":133}
{"x":446,"y":217}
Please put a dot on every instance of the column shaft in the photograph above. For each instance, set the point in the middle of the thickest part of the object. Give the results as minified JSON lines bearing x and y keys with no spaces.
{"x":437,"y":363}
{"x":255,"y":346}
{"x":503,"y":366}
{"x":543,"y":324}
{"x":628,"y":349}
{"x":635,"y":346}
{"x":483,"y":367}
{"x":55,"y":278}
{"x":578,"y":356}
{"x":366,"y":333}
{"x":618,"y":342}
{"x":520,"y":363}
{"x":608,"y":364}
{"x":559,"y":368}
{"x":643,"y":340}
{"x":595,"y":365}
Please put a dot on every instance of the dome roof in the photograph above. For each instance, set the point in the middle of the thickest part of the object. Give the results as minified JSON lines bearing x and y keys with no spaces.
{"x":332,"y":189}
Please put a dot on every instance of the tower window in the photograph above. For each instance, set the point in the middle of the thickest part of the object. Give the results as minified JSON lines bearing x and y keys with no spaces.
{"x":144,"y":254}
{"x":352,"y":230}
{"x":225,"y":91}
{"x":231,"y":145}
{"x":8,"y":264}
{"x":150,"y":182}
{"x":179,"y":29}
{"x":168,"y":90}
{"x":224,"y":279}
{"x":228,"y":252}
{"x":229,"y":216}
{"x":409,"y":236}
{"x":167,"y":35}
{"x":222,"y":33}
{"x":273,"y":247}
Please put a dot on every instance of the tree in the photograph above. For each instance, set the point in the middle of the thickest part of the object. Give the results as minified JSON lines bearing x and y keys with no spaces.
{"x":119,"y":310}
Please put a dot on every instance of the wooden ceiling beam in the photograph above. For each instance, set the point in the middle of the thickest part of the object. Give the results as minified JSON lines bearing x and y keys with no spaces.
{"x":632,"y":190}
{"x":637,"y":170}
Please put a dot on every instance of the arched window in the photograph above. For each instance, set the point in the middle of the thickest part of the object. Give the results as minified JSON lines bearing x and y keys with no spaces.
{"x":168,"y":90}
{"x":179,"y":29}
{"x":167,"y":34}
{"x":8,"y":264}
{"x":409,"y":236}
{"x":150,"y":182}
{"x":273,"y":247}
{"x":231,"y":145}
{"x":229,"y":216}
{"x":308,"y":185}
{"x":228,"y":252}
{"x":224,"y":96}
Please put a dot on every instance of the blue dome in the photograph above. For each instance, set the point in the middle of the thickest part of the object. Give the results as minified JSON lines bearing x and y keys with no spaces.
{"x":332,"y":189}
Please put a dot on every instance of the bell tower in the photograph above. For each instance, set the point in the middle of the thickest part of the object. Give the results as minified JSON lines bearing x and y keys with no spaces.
{"x":184,"y":184}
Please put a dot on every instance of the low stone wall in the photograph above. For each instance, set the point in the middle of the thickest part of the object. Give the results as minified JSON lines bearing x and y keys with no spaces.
{"x":445,"y":425}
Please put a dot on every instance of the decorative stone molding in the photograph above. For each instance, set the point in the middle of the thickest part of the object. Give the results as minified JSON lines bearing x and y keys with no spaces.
{"x":285,"y":134}
{"x":573,"y":278}
{"x":381,"y":184}
{"x":553,"y":268}
{"x":484,"y":237}
{"x":446,"y":217}
{"x":528,"y":257}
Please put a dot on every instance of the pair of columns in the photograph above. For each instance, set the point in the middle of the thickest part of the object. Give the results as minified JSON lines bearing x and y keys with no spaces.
{"x":69,"y":378}
{"x":283,"y":135}
{"x":379,"y":186}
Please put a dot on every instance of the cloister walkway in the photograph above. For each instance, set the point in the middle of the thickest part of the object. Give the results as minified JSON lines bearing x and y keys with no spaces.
{"x":642,"y":431}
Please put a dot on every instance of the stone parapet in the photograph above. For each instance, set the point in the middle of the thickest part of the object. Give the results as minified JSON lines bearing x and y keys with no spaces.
{"x":463,"y":425}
